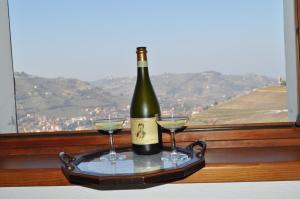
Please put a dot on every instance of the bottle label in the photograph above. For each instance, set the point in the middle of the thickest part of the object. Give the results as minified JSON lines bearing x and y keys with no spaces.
{"x":142,"y":64}
{"x":144,"y":131}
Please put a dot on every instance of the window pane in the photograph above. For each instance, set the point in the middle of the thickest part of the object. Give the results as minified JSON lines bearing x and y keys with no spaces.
{"x":219,"y":61}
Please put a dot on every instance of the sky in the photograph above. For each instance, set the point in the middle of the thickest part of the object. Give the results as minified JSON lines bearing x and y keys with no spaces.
{"x":92,"y":39}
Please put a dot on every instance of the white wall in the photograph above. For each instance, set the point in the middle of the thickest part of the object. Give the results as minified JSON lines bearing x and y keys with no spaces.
{"x":258,"y":190}
{"x":7,"y":100}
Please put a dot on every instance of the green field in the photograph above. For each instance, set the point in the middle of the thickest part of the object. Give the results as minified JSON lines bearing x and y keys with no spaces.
{"x":267,"y":104}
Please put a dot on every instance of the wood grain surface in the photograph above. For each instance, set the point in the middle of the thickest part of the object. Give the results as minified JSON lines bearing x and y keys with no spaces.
{"x":222,"y":165}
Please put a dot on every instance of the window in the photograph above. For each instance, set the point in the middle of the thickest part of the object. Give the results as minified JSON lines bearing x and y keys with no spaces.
{"x":75,"y":60}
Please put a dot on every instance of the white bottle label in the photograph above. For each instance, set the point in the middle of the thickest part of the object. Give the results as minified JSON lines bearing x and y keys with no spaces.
{"x":144,"y":131}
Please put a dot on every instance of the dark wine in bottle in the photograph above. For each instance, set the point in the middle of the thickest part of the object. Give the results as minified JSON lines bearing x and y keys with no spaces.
{"x":146,"y":135}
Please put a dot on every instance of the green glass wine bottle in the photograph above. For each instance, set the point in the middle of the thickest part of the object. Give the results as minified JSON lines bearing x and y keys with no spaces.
{"x":146,"y":135}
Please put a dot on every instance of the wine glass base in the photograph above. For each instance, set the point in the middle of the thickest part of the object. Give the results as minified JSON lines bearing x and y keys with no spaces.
{"x":174,"y":157}
{"x":113,"y":156}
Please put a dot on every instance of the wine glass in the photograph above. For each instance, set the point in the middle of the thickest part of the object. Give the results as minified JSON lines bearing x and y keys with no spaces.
{"x":173,"y":124}
{"x":111,"y":126}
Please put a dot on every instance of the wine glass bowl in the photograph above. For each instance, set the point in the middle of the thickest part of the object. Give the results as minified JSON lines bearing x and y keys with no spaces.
{"x":173,"y":124}
{"x":110,"y":125}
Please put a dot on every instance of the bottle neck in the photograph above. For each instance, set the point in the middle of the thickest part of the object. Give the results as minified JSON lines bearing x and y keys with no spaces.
{"x":142,"y":71}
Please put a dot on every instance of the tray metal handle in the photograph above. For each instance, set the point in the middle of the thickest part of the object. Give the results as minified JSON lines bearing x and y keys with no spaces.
{"x":200,"y":143}
{"x":67,"y":160}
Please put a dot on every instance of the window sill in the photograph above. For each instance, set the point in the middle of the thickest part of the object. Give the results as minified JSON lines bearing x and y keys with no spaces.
{"x":232,"y":156}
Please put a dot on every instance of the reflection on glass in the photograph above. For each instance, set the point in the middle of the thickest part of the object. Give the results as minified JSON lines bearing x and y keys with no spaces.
{"x":131,"y":165}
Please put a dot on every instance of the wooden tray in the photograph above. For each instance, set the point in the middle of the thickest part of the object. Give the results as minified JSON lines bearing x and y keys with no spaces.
{"x":136,"y":171}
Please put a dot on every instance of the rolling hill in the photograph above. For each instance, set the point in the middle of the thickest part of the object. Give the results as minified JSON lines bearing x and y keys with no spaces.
{"x":267,"y":104}
{"x":66,"y":104}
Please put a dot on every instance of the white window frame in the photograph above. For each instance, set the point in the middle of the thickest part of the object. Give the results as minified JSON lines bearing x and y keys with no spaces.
{"x":8,"y":119}
{"x":291,"y":58}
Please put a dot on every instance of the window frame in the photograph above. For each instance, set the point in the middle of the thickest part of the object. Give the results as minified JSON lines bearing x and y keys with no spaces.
{"x":291,"y":34}
{"x":292,"y":53}
{"x":8,"y":117}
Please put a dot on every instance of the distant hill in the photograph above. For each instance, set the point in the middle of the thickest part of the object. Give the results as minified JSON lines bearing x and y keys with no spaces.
{"x":66,"y":97}
{"x":267,"y":104}
{"x":186,"y":91}
{"x":66,"y":104}
{"x":59,"y":96}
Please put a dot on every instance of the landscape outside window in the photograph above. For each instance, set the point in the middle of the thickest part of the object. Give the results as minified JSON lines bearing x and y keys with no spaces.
{"x":221,"y":62}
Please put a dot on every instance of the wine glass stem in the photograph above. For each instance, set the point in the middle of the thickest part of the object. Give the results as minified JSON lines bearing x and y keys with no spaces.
{"x":111,"y":142}
{"x":173,"y":141}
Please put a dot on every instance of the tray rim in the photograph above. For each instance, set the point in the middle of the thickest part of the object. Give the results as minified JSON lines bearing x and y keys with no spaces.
{"x":85,"y":178}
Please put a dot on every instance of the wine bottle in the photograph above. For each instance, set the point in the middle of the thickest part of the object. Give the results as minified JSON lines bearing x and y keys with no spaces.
{"x":146,"y":135}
